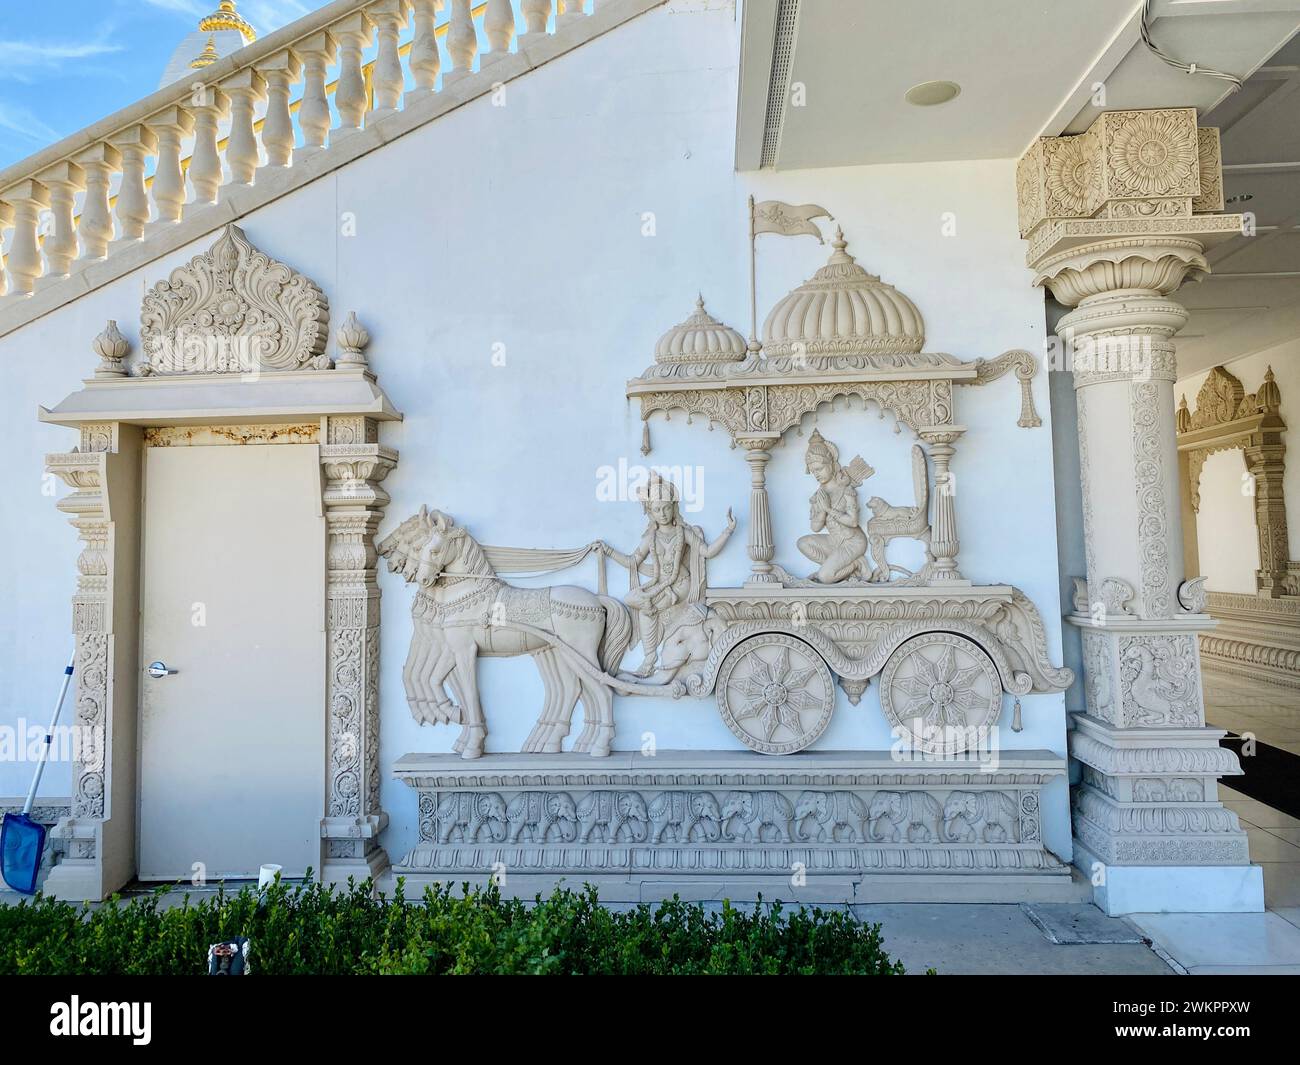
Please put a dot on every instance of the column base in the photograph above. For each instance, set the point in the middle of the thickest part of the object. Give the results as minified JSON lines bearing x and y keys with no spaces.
{"x":349,"y":850}
{"x":1128,"y":889}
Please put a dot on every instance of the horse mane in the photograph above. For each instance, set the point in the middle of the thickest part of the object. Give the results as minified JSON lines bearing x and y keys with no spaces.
{"x":473,"y":556}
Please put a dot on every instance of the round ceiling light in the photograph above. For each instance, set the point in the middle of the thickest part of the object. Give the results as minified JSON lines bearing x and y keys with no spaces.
{"x":930,"y":93}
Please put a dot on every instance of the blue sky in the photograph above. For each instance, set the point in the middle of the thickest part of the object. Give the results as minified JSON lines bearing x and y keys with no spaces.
{"x":66,"y":63}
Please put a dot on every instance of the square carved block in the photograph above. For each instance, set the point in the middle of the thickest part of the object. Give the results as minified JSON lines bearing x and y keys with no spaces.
{"x":1127,"y":165}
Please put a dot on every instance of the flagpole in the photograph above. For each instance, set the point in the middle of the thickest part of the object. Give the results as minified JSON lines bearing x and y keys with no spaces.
{"x":753,"y":287}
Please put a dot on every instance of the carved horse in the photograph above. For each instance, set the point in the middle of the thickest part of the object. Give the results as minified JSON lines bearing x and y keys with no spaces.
{"x":462,"y":609}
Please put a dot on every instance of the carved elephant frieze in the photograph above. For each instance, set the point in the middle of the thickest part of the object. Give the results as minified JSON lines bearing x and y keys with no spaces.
{"x":980,"y":817}
{"x":467,"y":814}
{"x":747,"y":815}
{"x":543,"y":815}
{"x":836,"y":816}
{"x":614,"y":817}
{"x":681,"y":814}
{"x":904,"y":817}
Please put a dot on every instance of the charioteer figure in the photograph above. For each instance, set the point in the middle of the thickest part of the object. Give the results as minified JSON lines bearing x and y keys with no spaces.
{"x":677,"y":555}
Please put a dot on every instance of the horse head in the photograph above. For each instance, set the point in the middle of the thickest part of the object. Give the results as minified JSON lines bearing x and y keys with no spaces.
{"x":442,"y":549}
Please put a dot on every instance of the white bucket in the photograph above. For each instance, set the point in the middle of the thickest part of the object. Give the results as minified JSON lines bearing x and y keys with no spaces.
{"x":266,"y":877}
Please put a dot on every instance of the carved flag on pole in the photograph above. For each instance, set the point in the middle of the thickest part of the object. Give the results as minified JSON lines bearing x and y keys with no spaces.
{"x":773,"y":216}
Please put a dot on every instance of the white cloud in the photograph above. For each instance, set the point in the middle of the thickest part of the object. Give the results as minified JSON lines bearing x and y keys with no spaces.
{"x":19,"y":54}
{"x":18,"y":119}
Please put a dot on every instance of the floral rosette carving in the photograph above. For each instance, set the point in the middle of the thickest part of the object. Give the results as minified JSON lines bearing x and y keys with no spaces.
{"x":1073,"y":175}
{"x":1150,"y":154}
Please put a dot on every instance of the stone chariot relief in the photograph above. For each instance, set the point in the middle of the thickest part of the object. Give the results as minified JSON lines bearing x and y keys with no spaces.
{"x":945,"y":652}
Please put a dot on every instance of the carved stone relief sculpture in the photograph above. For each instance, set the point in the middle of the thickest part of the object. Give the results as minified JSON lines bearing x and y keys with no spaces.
{"x":234,"y":309}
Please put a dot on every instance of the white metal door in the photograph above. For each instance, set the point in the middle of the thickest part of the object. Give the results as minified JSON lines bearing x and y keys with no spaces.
{"x":232,"y":745}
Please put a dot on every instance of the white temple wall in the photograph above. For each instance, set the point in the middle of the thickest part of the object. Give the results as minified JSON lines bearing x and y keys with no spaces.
{"x":514,"y":266}
{"x":1225,"y":526}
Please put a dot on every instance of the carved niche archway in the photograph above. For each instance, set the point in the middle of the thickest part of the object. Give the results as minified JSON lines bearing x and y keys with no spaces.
{"x":1258,"y":636}
{"x":1228,"y":418}
{"x":234,"y":353}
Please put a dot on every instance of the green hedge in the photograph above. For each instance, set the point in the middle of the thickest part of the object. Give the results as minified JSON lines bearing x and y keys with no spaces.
{"x":311,"y":929}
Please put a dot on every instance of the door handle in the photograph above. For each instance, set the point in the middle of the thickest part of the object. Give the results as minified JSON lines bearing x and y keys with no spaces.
{"x":158,"y":670}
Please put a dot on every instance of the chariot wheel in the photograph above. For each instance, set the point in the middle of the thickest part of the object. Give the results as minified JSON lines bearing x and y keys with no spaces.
{"x":942,"y":692}
{"x":775,"y":693}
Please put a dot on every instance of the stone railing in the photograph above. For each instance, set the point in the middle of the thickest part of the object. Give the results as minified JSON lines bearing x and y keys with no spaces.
{"x":177,"y":178}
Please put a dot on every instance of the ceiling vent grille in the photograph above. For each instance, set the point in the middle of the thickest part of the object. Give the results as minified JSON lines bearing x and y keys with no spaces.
{"x":778,"y":86}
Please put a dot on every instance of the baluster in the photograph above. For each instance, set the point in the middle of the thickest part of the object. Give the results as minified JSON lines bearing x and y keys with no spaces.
{"x":28,"y":199}
{"x":389,"y":17}
{"x":572,"y":12}
{"x":168,"y":188}
{"x":279,"y":72}
{"x":353,"y":34}
{"x":536,"y":14}
{"x":499,"y":28}
{"x":424,"y":60}
{"x":99,"y":162}
{"x":462,"y":42}
{"x":246,"y":90}
{"x":210,"y":105}
{"x":135,"y":144}
{"x":64,"y":180}
{"x":317,"y":52}
{"x":6,"y":220}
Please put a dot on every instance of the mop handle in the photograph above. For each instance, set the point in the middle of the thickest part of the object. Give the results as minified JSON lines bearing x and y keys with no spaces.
{"x":49,"y":734}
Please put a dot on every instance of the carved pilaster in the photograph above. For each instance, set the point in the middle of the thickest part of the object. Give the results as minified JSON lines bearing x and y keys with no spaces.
{"x":354,"y":464}
{"x":944,"y":543}
{"x":1109,"y":216}
{"x":80,"y":872}
{"x":758,"y":452}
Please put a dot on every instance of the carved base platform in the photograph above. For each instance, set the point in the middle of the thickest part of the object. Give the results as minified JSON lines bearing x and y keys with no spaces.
{"x":1257,"y":639}
{"x":822,"y":826}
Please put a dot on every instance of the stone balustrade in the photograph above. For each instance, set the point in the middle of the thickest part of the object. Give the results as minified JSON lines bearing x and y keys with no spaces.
{"x":131,"y":178}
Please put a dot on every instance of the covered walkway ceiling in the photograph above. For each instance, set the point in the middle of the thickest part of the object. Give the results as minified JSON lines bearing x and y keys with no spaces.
{"x":823,"y":83}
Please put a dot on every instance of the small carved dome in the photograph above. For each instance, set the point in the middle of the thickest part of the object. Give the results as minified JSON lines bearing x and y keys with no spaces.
{"x":843,"y":310}
{"x":701,"y":338}
{"x":1269,"y":396}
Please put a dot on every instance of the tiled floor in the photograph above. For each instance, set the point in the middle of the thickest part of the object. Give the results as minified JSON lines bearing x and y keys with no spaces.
{"x":1269,"y":711}
{"x":1272,"y":714}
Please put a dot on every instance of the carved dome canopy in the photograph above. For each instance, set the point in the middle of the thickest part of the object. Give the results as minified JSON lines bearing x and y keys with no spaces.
{"x":843,"y":311}
{"x":700,"y":339}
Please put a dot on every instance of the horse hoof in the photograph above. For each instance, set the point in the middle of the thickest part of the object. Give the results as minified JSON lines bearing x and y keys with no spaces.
{"x":470,"y":753}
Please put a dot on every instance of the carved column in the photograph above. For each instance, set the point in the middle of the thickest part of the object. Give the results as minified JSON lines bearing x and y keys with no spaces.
{"x":944,"y":543}
{"x":64,"y":180}
{"x":317,"y":53}
{"x":170,"y":127}
{"x":353,"y":35}
{"x":246,"y":90}
{"x":135,"y":145}
{"x":204,"y":173}
{"x":1110,"y":217}
{"x":758,"y":452}
{"x":281,"y":72}
{"x":423,"y":60}
{"x":98,"y":840}
{"x":462,"y":42}
{"x":27,"y":200}
{"x":389,"y":16}
{"x":1266,"y":463}
{"x":99,"y":163}
{"x":354,"y":464}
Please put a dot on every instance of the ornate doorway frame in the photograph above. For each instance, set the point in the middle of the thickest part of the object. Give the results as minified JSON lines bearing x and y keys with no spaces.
{"x":233,"y":355}
{"x":1258,"y":635}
